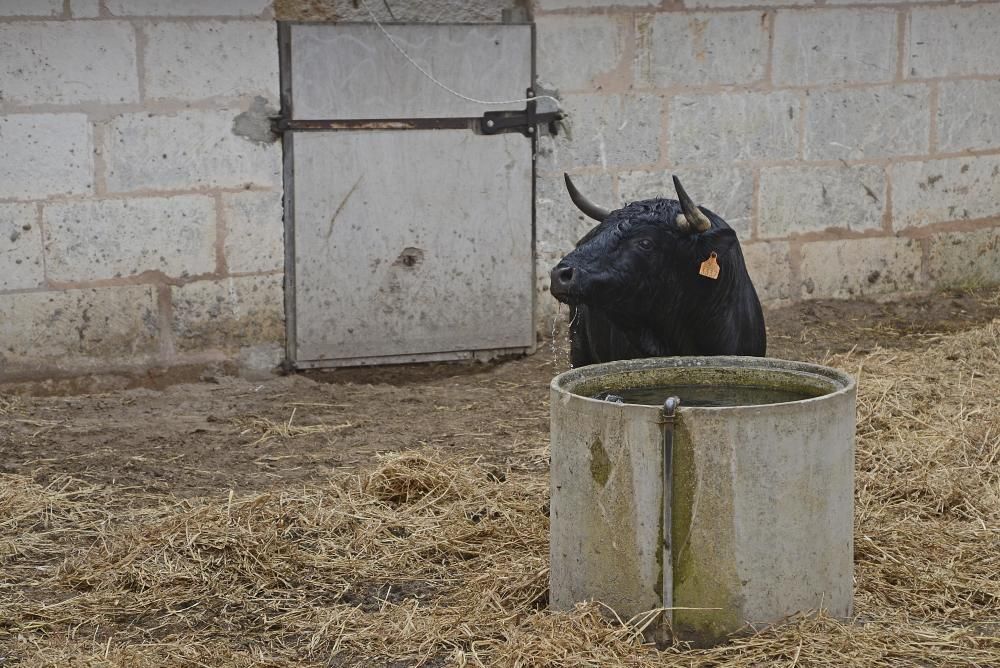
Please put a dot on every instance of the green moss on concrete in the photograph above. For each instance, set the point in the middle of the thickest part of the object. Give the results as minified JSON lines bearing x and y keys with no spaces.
{"x":703,"y":578}
{"x":600,"y":465}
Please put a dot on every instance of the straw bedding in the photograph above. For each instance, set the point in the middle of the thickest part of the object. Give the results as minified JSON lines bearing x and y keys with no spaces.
{"x":426,"y":559}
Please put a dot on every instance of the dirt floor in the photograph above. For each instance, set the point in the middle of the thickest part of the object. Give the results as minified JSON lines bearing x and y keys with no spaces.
{"x":202,"y":438}
{"x":237,"y":523}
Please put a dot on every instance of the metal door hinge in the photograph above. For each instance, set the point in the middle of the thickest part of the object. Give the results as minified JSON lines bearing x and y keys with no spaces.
{"x":524,"y":121}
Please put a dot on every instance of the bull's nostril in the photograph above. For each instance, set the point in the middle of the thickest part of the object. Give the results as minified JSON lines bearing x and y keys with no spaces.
{"x":566,"y":274}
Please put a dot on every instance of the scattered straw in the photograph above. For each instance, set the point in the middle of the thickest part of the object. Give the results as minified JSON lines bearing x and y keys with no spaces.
{"x":429,"y":560}
{"x":9,"y":404}
{"x":266,"y":429}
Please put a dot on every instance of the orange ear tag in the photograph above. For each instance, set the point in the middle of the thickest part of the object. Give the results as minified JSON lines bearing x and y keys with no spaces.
{"x":710,"y":268}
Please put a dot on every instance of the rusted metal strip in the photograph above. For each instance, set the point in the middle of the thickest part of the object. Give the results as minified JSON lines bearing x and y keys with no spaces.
{"x":285,"y":125}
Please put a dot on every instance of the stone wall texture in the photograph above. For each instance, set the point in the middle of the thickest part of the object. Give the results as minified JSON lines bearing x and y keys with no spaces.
{"x":854,"y":145}
{"x":138,"y":230}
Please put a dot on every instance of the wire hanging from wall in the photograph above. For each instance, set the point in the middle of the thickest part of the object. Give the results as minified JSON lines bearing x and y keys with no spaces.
{"x":442,"y":85}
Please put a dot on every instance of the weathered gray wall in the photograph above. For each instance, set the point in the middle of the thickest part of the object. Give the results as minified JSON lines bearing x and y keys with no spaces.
{"x":140,"y":209}
{"x":855,"y":149}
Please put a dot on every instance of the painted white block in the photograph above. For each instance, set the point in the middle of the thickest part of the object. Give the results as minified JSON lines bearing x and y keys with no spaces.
{"x":800,"y":200}
{"x":45,"y":154}
{"x":186,"y":151}
{"x":84,"y":9}
{"x":936,"y":191}
{"x":695,"y":4}
{"x":770,"y":269}
{"x":604,"y":131}
{"x":101,"y":239}
{"x":965,"y":258}
{"x":840,"y":124}
{"x":191,"y":61}
{"x":188,"y":7}
{"x":834,"y":46}
{"x":590,"y":4}
{"x":230,"y":313}
{"x":255,"y":235}
{"x":692,"y":49}
{"x":21,"y":264}
{"x":74,"y":329}
{"x":573,"y":51}
{"x":31,"y":8}
{"x":62,"y":62}
{"x":734,"y":126}
{"x":849,"y":268}
{"x":953,"y":40}
{"x":968,"y":115}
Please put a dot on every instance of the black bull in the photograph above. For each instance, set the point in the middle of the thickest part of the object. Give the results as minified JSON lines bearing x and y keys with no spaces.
{"x":640,"y":284}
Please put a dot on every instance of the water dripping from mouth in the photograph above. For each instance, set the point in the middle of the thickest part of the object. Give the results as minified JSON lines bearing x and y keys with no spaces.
{"x":569,"y":330}
{"x":555,"y":326}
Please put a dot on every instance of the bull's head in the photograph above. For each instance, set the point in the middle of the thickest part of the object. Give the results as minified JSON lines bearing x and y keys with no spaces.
{"x":645,"y":254}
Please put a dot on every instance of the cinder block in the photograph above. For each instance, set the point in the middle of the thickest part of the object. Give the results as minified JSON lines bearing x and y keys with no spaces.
{"x":84,"y":9}
{"x":419,"y":11}
{"x":734,"y":126}
{"x":68,"y":62}
{"x":970,"y":259}
{"x":693,"y":49}
{"x":840,"y":123}
{"x":186,"y":151}
{"x":546,"y":5}
{"x":936,"y":191}
{"x":574,"y":50}
{"x":188,"y":7}
{"x":190,"y":61}
{"x":559,"y":223}
{"x":78,"y":329}
{"x":834,"y":46}
{"x":100,"y":239}
{"x":229,"y":314}
{"x":604,"y":131}
{"x":800,"y":200}
{"x":728,"y":191}
{"x":783,"y":3}
{"x":968,"y":115}
{"x":255,"y":235}
{"x":31,"y":8}
{"x":770,"y":269}
{"x":45,"y":154}
{"x":20,"y":248}
{"x":699,"y":4}
{"x":857,"y":267}
{"x":957,"y":39}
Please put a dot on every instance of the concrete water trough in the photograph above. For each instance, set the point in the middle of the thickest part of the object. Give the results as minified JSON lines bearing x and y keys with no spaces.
{"x":734,"y":507}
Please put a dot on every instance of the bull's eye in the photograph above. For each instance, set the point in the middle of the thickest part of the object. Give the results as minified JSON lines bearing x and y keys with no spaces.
{"x":645,"y":244}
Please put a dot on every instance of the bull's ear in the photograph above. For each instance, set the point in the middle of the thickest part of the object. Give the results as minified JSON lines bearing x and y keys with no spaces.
{"x":718,"y":239}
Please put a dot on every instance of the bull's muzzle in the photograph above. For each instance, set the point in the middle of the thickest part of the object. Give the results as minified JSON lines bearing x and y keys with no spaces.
{"x":564,"y":283}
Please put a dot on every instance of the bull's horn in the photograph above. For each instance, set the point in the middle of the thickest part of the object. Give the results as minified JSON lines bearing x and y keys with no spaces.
{"x":584,"y":204}
{"x":698,"y":220}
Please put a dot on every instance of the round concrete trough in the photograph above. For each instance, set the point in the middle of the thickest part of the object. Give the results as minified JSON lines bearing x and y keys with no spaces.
{"x":755,"y":520}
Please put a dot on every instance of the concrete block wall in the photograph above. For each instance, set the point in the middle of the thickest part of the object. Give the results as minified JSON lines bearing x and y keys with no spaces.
{"x":140,"y":201}
{"x":854,"y":145}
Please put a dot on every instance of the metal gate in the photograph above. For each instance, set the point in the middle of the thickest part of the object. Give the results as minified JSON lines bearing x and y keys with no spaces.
{"x":408,"y":213}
